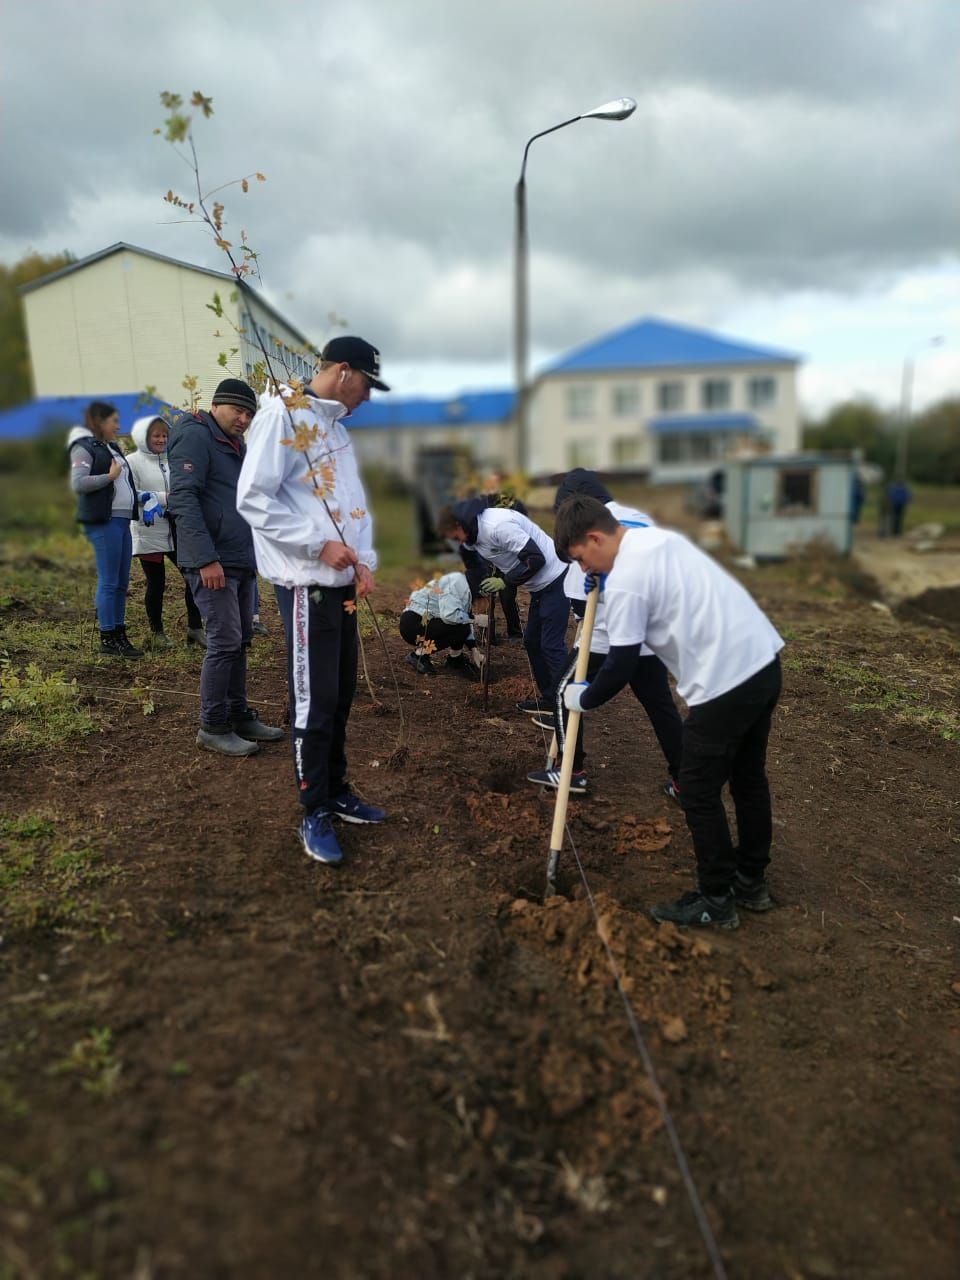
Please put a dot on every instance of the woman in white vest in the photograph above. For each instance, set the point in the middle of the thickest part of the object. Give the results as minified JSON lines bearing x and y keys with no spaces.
{"x":154,"y":537}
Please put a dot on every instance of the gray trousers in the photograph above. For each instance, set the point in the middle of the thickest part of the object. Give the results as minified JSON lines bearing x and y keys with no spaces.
{"x":228,"y":619}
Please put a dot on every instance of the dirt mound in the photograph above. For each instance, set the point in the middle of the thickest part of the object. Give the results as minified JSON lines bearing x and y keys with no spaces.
{"x":664,"y":972}
{"x":942,"y":603}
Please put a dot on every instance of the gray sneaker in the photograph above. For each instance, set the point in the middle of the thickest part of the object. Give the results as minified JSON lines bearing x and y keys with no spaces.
{"x":223,"y":739}
{"x":253,"y":729}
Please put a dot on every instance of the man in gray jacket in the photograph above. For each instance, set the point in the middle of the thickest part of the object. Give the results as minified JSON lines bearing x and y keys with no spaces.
{"x":215,"y":552}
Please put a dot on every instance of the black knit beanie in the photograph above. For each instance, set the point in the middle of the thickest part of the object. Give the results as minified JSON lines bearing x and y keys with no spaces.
{"x":233,"y":391}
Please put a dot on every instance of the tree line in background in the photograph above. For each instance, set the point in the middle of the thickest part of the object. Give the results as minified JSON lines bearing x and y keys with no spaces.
{"x":934,"y":435}
{"x":933,"y":438}
{"x":15,"y":381}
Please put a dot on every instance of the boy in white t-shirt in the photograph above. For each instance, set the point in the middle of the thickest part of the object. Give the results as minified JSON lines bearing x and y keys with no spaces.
{"x":648,"y":681}
{"x":663,"y":591}
{"x":523,"y":556}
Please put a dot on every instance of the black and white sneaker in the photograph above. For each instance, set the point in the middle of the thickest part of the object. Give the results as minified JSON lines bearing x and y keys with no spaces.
{"x":671,"y":789}
{"x":544,"y":721}
{"x":551,"y":778}
{"x":421,"y":664}
{"x":532,"y":706}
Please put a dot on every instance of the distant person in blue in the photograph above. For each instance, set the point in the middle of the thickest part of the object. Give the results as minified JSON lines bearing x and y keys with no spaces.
{"x":858,"y":495}
{"x":898,"y":495}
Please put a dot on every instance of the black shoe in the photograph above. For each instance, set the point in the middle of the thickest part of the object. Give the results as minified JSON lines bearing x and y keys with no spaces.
{"x":544,"y":721}
{"x":550,"y":778}
{"x":700,"y":910}
{"x":671,"y":788}
{"x":259,"y":628}
{"x":109,"y":644}
{"x":752,"y":893}
{"x":514,"y":637}
{"x":532,"y":706}
{"x":461,"y":666}
{"x":123,"y":644}
{"x":195,"y":635}
{"x":252,"y":728}
{"x":421,"y":664}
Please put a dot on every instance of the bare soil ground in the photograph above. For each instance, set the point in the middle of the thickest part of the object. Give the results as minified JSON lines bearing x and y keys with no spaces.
{"x":218,"y":1059}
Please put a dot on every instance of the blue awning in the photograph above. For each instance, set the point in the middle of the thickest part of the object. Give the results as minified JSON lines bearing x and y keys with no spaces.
{"x":686,"y":424}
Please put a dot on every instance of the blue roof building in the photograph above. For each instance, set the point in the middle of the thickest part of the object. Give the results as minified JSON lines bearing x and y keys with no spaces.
{"x":663,"y":399}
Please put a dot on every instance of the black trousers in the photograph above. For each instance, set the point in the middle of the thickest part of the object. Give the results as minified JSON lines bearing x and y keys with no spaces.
{"x":725,"y":740}
{"x":322,"y":677}
{"x":651,"y":688}
{"x":445,"y":635}
{"x":154,"y":572}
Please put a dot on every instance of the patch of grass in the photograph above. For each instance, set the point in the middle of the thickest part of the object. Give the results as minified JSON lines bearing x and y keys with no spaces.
{"x":879,"y":692}
{"x":92,"y":1061}
{"x":932,"y":504}
{"x":48,"y":879}
{"x":38,"y":709}
{"x":12,"y":1106}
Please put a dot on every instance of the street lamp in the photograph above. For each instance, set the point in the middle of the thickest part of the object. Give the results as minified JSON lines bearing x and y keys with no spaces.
{"x":618,"y":109}
{"x":906,"y":394}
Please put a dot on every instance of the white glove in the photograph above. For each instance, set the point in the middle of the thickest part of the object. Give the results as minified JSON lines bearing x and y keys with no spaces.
{"x":573,"y":693}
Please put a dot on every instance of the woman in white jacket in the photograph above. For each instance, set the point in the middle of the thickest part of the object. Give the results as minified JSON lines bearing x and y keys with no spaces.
{"x":154,"y":538}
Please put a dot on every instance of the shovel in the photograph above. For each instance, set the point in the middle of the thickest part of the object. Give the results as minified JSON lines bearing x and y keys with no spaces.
{"x":570,"y":738}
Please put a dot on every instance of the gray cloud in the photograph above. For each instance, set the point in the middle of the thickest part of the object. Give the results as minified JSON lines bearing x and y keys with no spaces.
{"x":776,"y":147}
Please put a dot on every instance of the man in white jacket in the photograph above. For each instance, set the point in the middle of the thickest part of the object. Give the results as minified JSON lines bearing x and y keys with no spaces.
{"x":301,"y":493}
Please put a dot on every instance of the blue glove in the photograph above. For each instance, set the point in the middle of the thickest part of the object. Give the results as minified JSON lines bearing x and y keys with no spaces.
{"x":573,"y":693}
{"x":150,"y":507}
{"x":593,"y":580}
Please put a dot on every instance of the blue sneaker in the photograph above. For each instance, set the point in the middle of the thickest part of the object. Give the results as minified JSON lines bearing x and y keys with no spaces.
{"x":320,"y":839}
{"x":352,"y":809}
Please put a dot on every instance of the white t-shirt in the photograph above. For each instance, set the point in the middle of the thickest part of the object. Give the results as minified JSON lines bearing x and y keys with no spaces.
{"x":574,"y":589}
{"x":695,"y":617}
{"x":501,"y":533}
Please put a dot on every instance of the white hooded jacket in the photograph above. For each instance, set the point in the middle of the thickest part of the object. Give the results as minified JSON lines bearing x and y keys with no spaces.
{"x":151,"y":473}
{"x":276,"y":497}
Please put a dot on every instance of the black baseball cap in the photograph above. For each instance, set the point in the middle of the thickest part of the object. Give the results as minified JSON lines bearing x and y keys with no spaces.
{"x":358,"y":355}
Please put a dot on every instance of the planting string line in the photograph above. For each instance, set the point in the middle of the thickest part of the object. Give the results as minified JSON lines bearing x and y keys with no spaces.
{"x":709,"y":1239}
{"x":679,"y":1155}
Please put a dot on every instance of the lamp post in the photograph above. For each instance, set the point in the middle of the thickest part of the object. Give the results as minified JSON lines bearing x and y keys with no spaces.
{"x":618,"y":109}
{"x":906,"y":395}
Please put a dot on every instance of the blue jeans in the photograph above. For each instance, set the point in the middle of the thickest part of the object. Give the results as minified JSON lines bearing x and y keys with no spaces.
{"x":228,"y":620}
{"x":113,"y":549}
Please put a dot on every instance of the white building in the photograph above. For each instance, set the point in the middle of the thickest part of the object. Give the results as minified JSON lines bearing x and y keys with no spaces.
{"x":128,"y":320}
{"x":663,"y":399}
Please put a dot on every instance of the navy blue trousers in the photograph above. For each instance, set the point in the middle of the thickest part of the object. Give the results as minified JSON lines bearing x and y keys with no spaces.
{"x":545,"y":637}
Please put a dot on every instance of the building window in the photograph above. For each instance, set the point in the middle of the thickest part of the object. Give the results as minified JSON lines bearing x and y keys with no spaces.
{"x":670,"y":397}
{"x":626,"y":401}
{"x":715,"y":393}
{"x":581,"y":453}
{"x":797,"y":492}
{"x":580,"y":401}
{"x":694,"y":446}
{"x":672,"y":448}
{"x":761,"y":392}
{"x":627,"y":451}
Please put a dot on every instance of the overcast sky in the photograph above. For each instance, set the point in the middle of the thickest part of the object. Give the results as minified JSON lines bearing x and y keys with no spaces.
{"x":790,"y":175}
